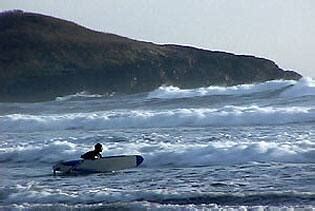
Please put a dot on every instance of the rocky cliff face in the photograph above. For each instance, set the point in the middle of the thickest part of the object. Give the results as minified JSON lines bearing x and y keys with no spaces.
{"x":43,"y":57}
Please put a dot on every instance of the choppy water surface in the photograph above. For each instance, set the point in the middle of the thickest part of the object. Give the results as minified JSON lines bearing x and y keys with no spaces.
{"x":247,"y":147}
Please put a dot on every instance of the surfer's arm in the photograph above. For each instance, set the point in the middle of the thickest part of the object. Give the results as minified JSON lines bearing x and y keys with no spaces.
{"x":88,"y":156}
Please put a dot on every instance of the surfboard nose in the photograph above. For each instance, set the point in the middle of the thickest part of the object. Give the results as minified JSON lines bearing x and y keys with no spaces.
{"x":139,"y":159}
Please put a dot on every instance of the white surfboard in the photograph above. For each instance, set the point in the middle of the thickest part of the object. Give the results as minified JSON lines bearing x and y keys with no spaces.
{"x":105,"y":164}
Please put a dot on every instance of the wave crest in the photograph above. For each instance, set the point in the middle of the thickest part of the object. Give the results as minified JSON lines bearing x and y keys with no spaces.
{"x":287,"y":88}
{"x":79,"y":95}
{"x":190,"y":117}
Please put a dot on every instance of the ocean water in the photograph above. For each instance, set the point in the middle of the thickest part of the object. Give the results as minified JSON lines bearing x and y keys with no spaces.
{"x":246,"y":147}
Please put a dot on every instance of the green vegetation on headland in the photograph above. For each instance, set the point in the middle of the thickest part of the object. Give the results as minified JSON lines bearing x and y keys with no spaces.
{"x":42,"y":57}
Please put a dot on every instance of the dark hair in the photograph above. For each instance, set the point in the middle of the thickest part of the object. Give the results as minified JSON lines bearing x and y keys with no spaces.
{"x":98,"y":145}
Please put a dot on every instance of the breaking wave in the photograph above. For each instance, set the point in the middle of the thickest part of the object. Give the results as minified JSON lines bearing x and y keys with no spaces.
{"x":177,"y":154}
{"x":193,"y":117}
{"x":287,"y":88}
{"x":79,"y":95}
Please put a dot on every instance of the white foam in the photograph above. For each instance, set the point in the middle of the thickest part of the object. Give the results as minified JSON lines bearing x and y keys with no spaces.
{"x":41,"y":152}
{"x":145,"y":205}
{"x":83,"y":94}
{"x":88,"y":197}
{"x":225,"y":116}
{"x":303,"y":87}
{"x":47,"y":195}
{"x":244,"y":89}
{"x":178,"y":154}
{"x":214,"y":207}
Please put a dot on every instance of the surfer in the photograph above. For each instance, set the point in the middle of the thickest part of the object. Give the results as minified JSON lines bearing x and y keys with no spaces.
{"x":95,"y":154}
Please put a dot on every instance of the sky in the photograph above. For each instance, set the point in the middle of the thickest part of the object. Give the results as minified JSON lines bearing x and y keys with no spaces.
{"x":280,"y":30}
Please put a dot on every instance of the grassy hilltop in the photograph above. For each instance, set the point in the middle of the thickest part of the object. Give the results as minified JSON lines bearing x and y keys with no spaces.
{"x":42,"y":57}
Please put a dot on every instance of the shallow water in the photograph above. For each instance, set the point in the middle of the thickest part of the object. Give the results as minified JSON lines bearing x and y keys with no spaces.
{"x":248,"y":147}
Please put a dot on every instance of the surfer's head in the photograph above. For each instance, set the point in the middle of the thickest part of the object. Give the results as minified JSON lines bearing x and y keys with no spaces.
{"x":98,"y":147}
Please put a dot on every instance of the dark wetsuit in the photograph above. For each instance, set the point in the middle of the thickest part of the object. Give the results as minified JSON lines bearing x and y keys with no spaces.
{"x":91,"y":155}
